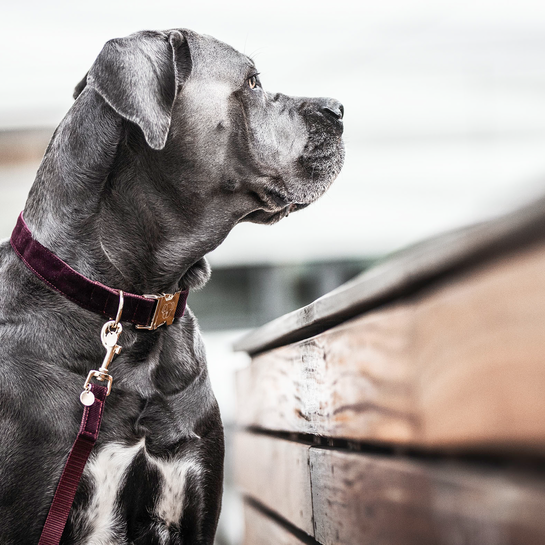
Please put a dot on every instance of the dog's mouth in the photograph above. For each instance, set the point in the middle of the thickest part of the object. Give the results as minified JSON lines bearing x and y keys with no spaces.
{"x":308,"y":177}
{"x":297,"y":206}
{"x":276,"y":198}
{"x":284,"y":202}
{"x":266,"y":218}
{"x":275,"y":207}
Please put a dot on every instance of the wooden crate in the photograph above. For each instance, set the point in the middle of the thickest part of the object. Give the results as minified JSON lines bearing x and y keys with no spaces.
{"x":408,"y":406}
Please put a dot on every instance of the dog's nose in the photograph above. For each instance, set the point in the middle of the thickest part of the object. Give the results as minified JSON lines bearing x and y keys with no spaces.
{"x":334,"y":110}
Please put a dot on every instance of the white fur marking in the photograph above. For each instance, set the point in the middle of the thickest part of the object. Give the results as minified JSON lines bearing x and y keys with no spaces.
{"x":171,"y":498}
{"x":107,"y":469}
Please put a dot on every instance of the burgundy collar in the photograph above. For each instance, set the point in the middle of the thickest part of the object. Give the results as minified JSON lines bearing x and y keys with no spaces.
{"x":145,"y":311}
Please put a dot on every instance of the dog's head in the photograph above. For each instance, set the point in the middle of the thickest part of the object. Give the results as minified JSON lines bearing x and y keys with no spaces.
{"x":200,"y":104}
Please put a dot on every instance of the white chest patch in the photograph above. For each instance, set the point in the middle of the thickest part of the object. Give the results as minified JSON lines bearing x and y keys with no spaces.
{"x":108,"y":469}
{"x":171,"y":500}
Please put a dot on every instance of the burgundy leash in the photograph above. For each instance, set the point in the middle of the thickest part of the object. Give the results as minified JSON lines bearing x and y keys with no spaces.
{"x":93,"y":398}
{"x":69,"y":481}
{"x":145,"y":311}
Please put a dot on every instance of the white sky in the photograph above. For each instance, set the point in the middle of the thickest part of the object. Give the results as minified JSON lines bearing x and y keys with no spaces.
{"x":445,"y":103}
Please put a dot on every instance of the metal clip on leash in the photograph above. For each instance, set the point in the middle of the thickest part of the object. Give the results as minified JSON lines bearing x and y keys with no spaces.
{"x":93,"y":397}
{"x":109,"y":336}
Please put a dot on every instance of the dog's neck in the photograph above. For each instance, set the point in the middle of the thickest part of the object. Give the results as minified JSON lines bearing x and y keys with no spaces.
{"x":116,"y":211}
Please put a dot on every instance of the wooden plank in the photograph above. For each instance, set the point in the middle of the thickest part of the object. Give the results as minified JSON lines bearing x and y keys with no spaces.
{"x":480,"y":353}
{"x":369,"y":499}
{"x":353,"y":382}
{"x":277,"y":472}
{"x":460,"y":365}
{"x":404,"y":273}
{"x":362,"y":499}
{"x":260,"y":529}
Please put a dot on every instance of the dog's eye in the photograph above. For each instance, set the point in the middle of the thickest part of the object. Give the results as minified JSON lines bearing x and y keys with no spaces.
{"x":252,"y":82}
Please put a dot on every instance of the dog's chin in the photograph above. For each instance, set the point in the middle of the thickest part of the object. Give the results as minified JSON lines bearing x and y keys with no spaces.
{"x":266,"y":217}
{"x":314,"y":174}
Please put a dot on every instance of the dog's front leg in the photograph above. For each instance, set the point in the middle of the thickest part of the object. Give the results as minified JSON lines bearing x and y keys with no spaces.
{"x":173,"y":496}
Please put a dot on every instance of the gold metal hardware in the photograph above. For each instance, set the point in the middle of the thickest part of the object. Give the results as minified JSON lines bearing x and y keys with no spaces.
{"x":109,"y":336}
{"x":119,"y":308}
{"x":165,"y":310}
{"x":100,"y":376}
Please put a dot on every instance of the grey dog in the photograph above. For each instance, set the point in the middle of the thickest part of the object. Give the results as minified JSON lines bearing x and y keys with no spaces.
{"x":171,"y":142}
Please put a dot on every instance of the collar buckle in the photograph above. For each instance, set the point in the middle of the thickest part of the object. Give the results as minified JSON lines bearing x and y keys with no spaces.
{"x":165,"y":310}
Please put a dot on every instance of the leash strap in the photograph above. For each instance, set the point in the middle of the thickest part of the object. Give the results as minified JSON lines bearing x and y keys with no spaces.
{"x":71,"y":475}
{"x":147,"y":312}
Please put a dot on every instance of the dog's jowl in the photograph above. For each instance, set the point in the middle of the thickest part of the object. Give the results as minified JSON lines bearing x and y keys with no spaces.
{"x":170,"y":143}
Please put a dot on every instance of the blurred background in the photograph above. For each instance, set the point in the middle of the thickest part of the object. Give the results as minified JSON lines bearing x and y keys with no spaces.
{"x":445,"y":126}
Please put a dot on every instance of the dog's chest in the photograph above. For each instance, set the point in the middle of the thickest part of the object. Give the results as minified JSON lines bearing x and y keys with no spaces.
{"x":128,"y":481}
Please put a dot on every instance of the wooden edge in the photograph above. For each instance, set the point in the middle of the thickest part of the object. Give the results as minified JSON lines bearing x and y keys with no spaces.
{"x":260,"y":529}
{"x":371,"y":499}
{"x":403,"y":273}
{"x":368,"y":499}
{"x":459,"y":366}
{"x":261,"y":471}
{"x":354,"y":381}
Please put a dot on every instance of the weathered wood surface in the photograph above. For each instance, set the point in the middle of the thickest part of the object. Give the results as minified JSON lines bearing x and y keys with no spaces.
{"x":404,"y":273}
{"x":460,"y":365}
{"x":260,"y":529}
{"x":361,"y":499}
{"x":354,"y":382}
{"x":276,"y":472}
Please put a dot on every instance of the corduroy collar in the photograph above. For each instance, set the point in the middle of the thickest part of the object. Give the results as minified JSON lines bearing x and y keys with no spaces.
{"x":145,"y":311}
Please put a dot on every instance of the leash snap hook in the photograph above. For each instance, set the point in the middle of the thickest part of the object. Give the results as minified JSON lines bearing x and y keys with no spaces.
{"x":109,"y":336}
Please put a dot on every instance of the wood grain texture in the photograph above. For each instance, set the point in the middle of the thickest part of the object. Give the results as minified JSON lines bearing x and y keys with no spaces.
{"x":276,"y":472}
{"x":353,"y":381}
{"x":260,"y":529}
{"x":480,"y":353}
{"x":362,"y":499}
{"x":404,"y":273}
{"x":460,"y":365}
{"x":369,"y":500}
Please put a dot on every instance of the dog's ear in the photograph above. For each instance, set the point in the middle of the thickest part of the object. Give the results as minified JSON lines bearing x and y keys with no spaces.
{"x":139,"y":77}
